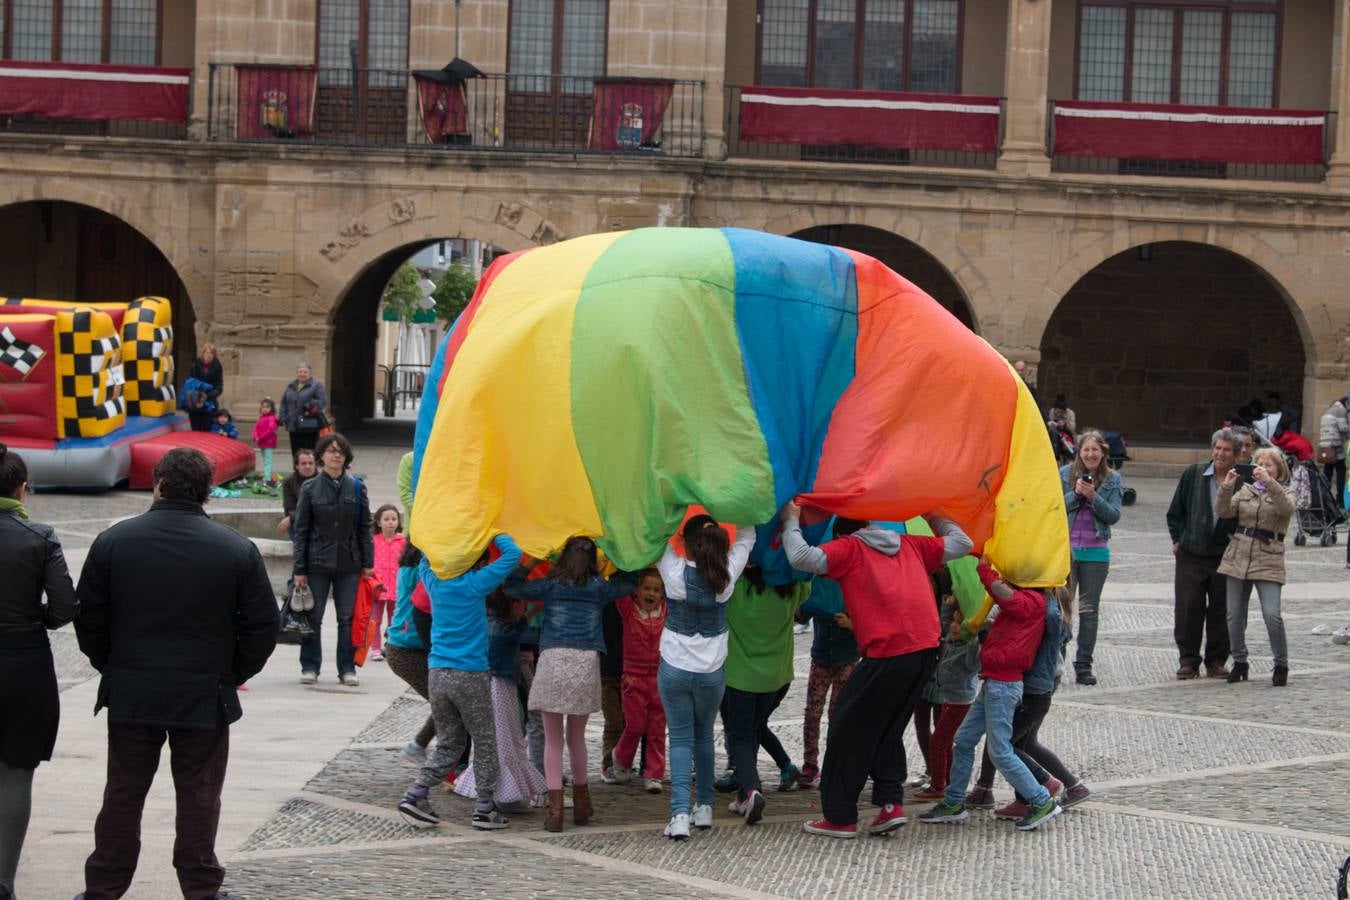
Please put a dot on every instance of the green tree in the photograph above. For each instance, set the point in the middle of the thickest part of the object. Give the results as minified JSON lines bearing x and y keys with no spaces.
{"x":402,"y":295}
{"x":454,"y":291}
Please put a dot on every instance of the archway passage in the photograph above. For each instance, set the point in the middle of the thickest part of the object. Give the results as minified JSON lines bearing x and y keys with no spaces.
{"x":56,"y":250}
{"x":904,"y":256}
{"x":354,"y":376}
{"x":1162,"y":341}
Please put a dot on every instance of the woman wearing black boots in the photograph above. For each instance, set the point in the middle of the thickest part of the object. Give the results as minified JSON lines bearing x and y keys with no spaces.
{"x":1255,"y":555}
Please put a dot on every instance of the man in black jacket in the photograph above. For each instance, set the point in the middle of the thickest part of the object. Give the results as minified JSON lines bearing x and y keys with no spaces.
{"x":177,"y":611}
{"x":1199,"y":539}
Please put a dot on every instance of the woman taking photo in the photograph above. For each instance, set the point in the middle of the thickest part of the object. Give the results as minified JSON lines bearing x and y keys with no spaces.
{"x":30,"y":707}
{"x":333,"y":547}
{"x":1092,"y":494}
{"x":302,"y":409}
{"x":207,"y":370}
{"x":1255,"y":555}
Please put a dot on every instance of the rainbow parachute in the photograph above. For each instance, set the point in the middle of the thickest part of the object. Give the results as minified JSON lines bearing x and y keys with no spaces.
{"x":600,"y":385}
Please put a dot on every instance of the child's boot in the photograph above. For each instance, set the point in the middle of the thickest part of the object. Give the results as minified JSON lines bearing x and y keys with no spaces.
{"x":554,"y":820}
{"x":581,"y":804}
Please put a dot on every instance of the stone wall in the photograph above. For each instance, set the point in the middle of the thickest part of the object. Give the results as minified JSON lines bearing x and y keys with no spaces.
{"x":1161,"y":348}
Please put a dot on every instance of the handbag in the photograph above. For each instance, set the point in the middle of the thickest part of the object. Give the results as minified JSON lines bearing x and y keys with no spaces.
{"x":311,"y":423}
{"x":1326,"y":455}
{"x":294,"y":626}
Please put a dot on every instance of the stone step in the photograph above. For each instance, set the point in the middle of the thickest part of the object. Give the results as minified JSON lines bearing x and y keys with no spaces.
{"x":1161,"y":460}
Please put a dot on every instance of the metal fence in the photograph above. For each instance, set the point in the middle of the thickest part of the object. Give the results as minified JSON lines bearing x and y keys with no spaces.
{"x":404,"y":108}
{"x":400,"y":387}
{"x":841,"y":153}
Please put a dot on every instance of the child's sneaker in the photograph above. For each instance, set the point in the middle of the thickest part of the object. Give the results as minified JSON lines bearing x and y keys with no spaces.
{"x":1039,"y":815}
{"x":945,"y":812}
{"x":980,"y":798}
{"x":891,"y":817}
{"x":653,"y":785}
{"x":829,"y":829}
{"x":678,"y":829}
{"x":489,"y":820}
{"x":1055,"y":787}
{"x":376,"y":656}
{"x":607,"y":775}
{"x":415,"y":752}
{"x":1074,"y":796}
{"x":416,"y":809}
{"x":753,"y":807}
{"x":929,"y":793}
{"x":1015,"y":810}
{"x":789,"y":777}
{"x":621,"y":775}
{"x":726,"y":783}
{"x":808,"y":782}
{"x":703,"y":817}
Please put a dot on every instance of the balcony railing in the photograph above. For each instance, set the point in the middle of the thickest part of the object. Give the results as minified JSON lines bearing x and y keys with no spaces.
{"x":861,"y":127}
{"x":401,"y":108}
{"x":1188,"y":141}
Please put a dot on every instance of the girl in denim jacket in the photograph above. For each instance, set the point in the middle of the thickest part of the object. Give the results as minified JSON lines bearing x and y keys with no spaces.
{"x":566,"y":687}
{"x":1092,"y":493}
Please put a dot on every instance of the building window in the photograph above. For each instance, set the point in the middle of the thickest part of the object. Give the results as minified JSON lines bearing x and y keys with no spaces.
{"x":892,"y":45}
{"x":1216,"y":53}
{"x":363,"y":34}
{"x":123,"y":32}
{"x":563,"y":39}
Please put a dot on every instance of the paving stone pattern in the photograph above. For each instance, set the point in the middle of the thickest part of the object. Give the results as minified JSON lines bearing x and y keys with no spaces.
{"x":303,"y":823}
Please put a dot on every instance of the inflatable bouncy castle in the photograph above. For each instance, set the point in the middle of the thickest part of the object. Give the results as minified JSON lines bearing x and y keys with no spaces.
{"x":87,"y":393}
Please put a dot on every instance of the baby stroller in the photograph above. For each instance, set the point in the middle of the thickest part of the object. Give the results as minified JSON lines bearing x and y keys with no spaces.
{"x":1316,"y":511}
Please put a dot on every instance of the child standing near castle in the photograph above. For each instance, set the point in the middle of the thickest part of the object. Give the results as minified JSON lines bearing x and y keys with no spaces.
{"x":834,"y":653}
{"x":223,"y":424}
{"x":389,"y":544}
{"x":644,"y":618}
{"x":265,"y":434}
{"x":958,"y":677}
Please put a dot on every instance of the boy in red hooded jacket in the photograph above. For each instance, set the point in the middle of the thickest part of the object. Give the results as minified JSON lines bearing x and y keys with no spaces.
{"x":1008,"y":651}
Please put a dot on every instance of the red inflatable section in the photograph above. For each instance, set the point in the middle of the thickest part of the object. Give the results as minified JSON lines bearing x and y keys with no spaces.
{"x":230,"y":459}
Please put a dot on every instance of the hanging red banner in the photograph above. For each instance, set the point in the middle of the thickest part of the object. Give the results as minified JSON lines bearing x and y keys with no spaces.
{"x":94,"y":92}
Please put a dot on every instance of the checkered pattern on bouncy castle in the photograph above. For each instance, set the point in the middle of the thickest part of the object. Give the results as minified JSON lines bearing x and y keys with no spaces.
{"x":147,"y":347}
{"x":89,"y":367}
{"x":18,"y":354}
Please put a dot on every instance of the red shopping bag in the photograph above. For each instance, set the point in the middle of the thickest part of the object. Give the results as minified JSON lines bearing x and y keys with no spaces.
{"x":368,"y":590}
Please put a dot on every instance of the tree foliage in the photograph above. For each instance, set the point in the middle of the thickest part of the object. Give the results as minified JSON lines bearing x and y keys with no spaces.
{"x":454,"y":291}
{"x":402,"y":295}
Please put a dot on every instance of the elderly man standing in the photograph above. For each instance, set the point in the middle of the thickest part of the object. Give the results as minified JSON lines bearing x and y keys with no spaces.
{"x":177,"y":611}
{"x":1199,"y":539}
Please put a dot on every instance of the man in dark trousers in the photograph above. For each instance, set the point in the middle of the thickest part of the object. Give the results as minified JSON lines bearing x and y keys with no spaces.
{"x":894,"y":615}
{"x":177,"y":611}
{"x":1199,"y":539}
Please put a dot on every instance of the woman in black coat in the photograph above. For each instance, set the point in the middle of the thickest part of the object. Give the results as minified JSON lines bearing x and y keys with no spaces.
{"x":207,"y":369}
{"x":33,"y":565}
{"x":302,"y":409}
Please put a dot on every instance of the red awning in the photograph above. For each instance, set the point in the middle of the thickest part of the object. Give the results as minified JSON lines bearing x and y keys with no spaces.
{"x":869,"y":119}
{"x":78,"y":91}
{"x":1193,"y":133}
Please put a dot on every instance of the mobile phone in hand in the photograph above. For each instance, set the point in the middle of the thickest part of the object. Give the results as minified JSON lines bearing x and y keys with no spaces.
{"x":1244,"y":471}
{"x":1087,"y":476}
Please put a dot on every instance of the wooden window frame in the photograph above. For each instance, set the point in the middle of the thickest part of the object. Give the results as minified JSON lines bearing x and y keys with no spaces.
{"x":557,"y":44}
{"x":1227,"y":7}
{"x":859,"y":38}
{"x":362,"y":32}
{"x":105,"y":52}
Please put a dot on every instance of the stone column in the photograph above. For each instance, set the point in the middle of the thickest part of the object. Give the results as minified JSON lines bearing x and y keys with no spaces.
{"x":1025,"y":79}
{"x":1338,"y":167}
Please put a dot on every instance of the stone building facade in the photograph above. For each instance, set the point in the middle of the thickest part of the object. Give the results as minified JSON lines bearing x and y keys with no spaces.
{"x":1154,"y":300}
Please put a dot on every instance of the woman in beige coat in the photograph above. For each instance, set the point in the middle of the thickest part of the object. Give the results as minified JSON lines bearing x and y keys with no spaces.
{"x":1255,"y":555}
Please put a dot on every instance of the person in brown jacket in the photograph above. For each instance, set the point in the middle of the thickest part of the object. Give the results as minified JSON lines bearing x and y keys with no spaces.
{"x":1255,"y":555}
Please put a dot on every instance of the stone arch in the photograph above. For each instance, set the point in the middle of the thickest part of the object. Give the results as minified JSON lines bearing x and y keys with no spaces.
{"x":1288,"y":280}
{"x":163,"y":237}
{"x":907,"y":256}
{"x":1161,"y":341}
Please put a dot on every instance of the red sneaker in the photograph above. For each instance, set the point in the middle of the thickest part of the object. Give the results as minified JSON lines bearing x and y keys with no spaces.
{"x":891,"y":817}
{"x":1055,"y":787}
{"x":929,"y":793}
{"x":1014,"y":810}
{"x":829,"y":829}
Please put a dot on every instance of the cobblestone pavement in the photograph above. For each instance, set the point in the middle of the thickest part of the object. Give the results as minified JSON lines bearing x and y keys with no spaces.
{"x":1201,"y":788}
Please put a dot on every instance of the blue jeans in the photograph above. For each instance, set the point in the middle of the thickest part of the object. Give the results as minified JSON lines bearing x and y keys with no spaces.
{"x":343,"y":588}
{"x":691,"y":700}
{"x":991,"y":717}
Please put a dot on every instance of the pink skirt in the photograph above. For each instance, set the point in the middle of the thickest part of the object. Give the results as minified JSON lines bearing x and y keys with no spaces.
{"x":517,"y":779}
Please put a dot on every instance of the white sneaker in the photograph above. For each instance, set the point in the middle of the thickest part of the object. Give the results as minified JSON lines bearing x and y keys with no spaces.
{"x":653,"y":785}
{"x":350,"y":679}
{"x":622,"y":775}
{"x":1341,"y":635}
{"x":736,"y":807}
{"x":376,"y":656}
{"x":309,"y":677}
{"x":415,"y":752}
{"x":1321,"y":629}
{"x":678,"y":829}
{"x":801,"y":628}
{"x":703,"y":816}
